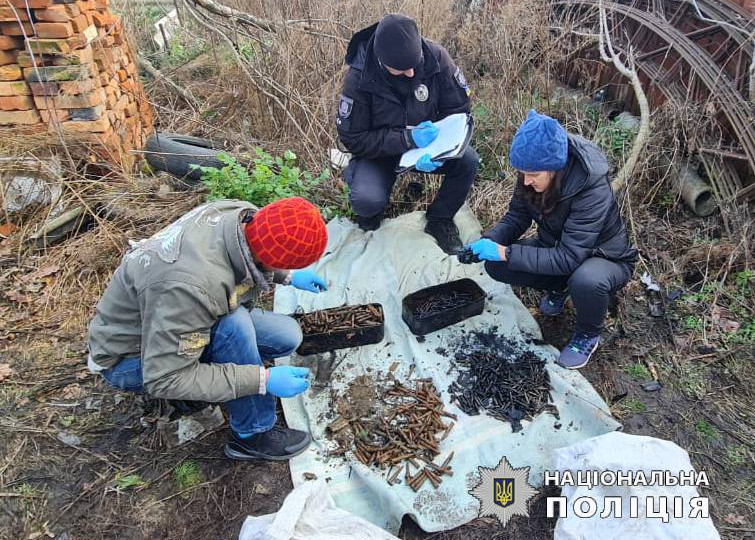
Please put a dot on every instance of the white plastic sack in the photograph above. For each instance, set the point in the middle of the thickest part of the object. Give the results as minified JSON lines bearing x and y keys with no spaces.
{"x":309,"y":513}
{"x":622,"y":452}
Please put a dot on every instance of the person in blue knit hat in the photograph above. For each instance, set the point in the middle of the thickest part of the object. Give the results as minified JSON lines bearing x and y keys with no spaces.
{"x":582,"y":249}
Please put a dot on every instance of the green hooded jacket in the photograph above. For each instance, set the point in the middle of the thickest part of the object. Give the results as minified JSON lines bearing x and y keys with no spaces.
{"x":166,"y":295}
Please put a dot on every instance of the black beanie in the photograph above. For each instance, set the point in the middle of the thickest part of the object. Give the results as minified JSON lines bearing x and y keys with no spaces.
{"x":397,"y":42}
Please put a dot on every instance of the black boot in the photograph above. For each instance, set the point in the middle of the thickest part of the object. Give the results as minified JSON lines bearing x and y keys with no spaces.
{"x":277,"y":444}
{"x":182,"y":407}
{"x":370,"y":223}
{"x":445,"y":233}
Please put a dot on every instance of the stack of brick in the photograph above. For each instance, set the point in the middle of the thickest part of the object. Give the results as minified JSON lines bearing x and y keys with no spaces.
{"x":65,"y":67}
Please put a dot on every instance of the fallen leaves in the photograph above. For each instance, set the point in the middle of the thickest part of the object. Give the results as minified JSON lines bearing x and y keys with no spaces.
{"x":72,"y":392}
{"x":41,"y":273}
{"x":733,"y":519}
{"x":723,"y":319}
{"x":5,"y":371}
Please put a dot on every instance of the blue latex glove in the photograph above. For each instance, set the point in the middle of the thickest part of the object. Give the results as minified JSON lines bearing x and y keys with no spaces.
{"x":426,"y":164}
{"x":287,"y":381}
{"x":485,"y":249}
{"x":424,"y":133}
{"x":307,"y":280}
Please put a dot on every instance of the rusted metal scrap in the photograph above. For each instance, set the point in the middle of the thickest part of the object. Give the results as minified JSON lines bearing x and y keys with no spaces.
{"x":339,"y":319}
{"x":405,"y":435}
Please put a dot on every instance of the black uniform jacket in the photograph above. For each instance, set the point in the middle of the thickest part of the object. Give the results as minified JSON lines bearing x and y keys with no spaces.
{"x":585,"y":223}
{"x":372,"y":117}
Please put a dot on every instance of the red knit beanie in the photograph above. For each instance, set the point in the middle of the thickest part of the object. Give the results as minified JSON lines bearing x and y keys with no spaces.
{"x":287,"y":234}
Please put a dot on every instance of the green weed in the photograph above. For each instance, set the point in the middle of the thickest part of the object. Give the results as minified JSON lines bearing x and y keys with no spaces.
{"x":743,"y":279}
{"x":187,"y":475}
{"x":634,"y":406}
{"x":128,"y":481}
{"x":266,"y":179}
{"x":707,"y":430}
{"x":694,"y":323}
{"x":615,"y":139}
{"x":638,"y":371}
{"x":736,"y":455}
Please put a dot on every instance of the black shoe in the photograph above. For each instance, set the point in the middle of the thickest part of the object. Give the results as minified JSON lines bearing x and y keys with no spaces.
{"x":277,"y":444}
{"x":182,"y":407}
{"x":370,"y":223}
{"x":445,"y":233}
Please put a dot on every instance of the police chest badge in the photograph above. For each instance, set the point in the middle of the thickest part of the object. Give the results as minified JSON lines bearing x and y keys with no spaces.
{"x":421,"y":93}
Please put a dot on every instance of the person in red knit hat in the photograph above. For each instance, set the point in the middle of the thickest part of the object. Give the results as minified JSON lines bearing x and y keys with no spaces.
{"x":178,"y":318}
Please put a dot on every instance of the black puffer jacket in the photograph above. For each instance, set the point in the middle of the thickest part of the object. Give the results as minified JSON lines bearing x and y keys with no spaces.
{"x":372,"y":118}
{"x":585,"y":223}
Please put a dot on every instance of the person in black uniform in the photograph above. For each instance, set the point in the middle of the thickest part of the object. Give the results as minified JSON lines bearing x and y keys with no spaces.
{"x":398,"y":83}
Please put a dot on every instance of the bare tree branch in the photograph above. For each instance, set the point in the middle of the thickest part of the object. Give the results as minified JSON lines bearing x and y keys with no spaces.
{"x":609,"y":55}
{"x":240,"y":16}
{"x":262,"y":24}
{"x":156,"y":74}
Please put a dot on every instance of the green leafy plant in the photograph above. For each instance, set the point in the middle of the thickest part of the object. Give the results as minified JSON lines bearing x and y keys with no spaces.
{"x":736,"y":455}
{"x":693,"y":322}
{"x":128,"y":481}
{"x":745,"y":334}
{"x":615,"y":139}
{"x":707,"y":430}
{"x":264,"y":180}
{"x":742,"y":280}
{"x":181,"y":50}
{"x":704,"y":295}
{"x":187,"y":475}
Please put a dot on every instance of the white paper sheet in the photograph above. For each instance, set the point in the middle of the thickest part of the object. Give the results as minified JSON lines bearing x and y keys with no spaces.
{"x":452,"y":132}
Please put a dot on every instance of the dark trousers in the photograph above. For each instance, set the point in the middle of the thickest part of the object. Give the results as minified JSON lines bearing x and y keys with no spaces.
{"x":590,"y":286}
{"x":371,"y":182}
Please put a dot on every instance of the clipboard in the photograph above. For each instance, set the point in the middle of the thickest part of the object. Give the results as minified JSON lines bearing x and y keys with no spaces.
{"x":454,"y":134}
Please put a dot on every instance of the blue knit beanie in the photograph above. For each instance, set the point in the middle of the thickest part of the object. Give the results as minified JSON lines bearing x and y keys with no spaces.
{"x":540,"y":144}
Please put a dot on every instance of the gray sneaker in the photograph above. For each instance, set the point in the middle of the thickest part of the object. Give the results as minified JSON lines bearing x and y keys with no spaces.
{"x":578,"y":351}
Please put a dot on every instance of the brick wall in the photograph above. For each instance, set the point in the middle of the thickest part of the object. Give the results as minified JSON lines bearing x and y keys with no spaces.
{"x":65,"y":66}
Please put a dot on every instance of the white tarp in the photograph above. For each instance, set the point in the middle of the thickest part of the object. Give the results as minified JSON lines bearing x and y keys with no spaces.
{"x":630,"y":453}
{"x":384,"y":266}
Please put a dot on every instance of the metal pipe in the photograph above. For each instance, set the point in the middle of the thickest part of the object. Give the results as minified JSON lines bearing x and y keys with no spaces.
{"x":696,"y":193}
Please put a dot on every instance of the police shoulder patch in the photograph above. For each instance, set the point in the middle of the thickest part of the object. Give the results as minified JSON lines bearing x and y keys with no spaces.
{"x":345,"y":106}
{"x":460,"y":79}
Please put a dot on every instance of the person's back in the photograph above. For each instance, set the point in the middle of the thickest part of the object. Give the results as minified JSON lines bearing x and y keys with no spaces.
{"x":189,"y":258}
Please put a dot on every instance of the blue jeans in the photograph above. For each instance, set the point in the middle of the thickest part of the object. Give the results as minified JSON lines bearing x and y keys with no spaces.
{"x":241,"y":337}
